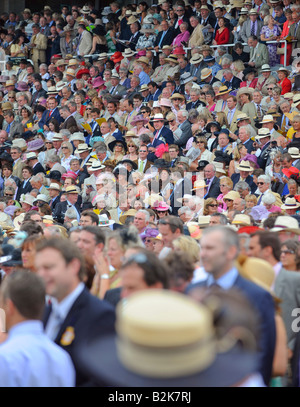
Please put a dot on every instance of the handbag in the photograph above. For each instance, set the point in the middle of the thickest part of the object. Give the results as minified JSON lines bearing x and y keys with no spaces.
{"x":280,"y":51}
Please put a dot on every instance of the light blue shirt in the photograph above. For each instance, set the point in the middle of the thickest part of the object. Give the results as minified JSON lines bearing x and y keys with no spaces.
{"x":226,"y":281}
{"x":144,"y":78}
{"x":60,"y":311}
{"x":29,"y":359}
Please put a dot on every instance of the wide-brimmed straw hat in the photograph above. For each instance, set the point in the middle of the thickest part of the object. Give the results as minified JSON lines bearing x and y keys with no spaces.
{"x":290,"y":203}
{"x":174,"y":337}
{"x":286,"y":224}
{"x":244,"y":166}
{"x":223,"y":90}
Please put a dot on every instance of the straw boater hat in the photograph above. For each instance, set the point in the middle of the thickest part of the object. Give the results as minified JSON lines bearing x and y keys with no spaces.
{"x":61,"y":62}
{"x":130,"y":212}
{"x":174,"y":336}
{"x":286,"y":224}
{"x":244,"y":166}
{"x":172,"y":58}
{"x":71,"y":72}
{"x":258,"y":271}
{"x":60,"y":85}
{"x":199,"y":184}
{"x":143,"y":88}
{"x":96,"y":165}
{"x":290,"y":203}
{"x":205,"y":73}
{"x":223,"y":90}
{"x":232,"y":195}
{"x":72,"y":189}
{"x":73,"y":62}
{"x":144,"y":60}
{"x":177,"y":96}
{"x":288,"y":95}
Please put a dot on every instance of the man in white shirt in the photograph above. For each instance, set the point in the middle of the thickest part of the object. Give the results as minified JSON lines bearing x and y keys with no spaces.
{"x":28,"y":358}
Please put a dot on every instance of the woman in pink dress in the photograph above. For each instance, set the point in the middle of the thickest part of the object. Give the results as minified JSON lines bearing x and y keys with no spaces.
{"x":184,"y":35}
{"x":138,"y":123}
{"x":210,"y":100}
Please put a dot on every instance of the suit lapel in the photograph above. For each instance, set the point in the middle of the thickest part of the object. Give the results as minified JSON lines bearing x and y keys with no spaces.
{"x":279,"y":284}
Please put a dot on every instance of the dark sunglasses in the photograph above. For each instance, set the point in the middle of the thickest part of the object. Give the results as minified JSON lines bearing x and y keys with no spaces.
{"x":287,"y":252}
{"x":260,"y":183}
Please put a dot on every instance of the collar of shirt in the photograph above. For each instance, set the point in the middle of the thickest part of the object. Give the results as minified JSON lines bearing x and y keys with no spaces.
{"x":63,"y":307}
{"x":35,"y":327}
{"x":226,"y":281}
{"x":277,"y":268}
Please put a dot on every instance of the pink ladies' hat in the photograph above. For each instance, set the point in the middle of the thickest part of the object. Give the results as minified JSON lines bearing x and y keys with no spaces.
{"x":97,"y":82}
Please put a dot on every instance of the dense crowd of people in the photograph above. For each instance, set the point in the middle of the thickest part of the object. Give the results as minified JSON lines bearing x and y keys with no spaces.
{"x":149,"y":178}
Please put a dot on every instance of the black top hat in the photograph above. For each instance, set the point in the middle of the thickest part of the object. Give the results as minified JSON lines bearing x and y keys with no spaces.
{"x":56,"y":175}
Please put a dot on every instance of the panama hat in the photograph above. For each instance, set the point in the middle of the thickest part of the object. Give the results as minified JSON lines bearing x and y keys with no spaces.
{"x":131,"y":134}
{"x":6,"y":106}
{"x":144,"y":60}
{"x":296,"y":100}
{"x":61,"y":62}
{"x":268,"y":118}
{"x":244,"y":166}
{"x":31,"y":156}
{"x":158,"y":117}
{"x":242,"y":116}
{"x":253,"y":11}
{"x":128,"y":53}
{"x":132,"y":19}
{"x":27,"y":198}
{"x":205,"y":73}
{"x":265,"y":68}
{"x":174,"y":336}
{"x":57,"y":137}
{"x":52,"y":90}
{"x":258,"y":271}
{"x":96,"y":166}
{"x":196,"y":59}
{"x":294,"y":152}
{"x":290,"y":203}
{"x":219,"y":167}
{"x":143,"y":88}
{"x":262,"y":133}
{"x":85,"y":10}
{"x":60,"y":85}
{"x":82,"y":148}
{"x":41,"y":197}
{"x":286,"y":224}
{"x":19,"y":142}
{"x":54,"y":185}
{"x":232,"y":195}
{"x":245,"y":90}
{"x":241,"y":219}
{"x":288,"y":95}
{"x":77,"y":136}
{"x":73,"y":62}
{"x":223,"y":90}
{"x":177,"y":96}
{"x":186,"y":77}
{"x":130,"y":212}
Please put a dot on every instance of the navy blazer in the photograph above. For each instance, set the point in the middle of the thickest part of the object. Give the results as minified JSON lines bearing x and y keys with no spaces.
{"x":167,"y":40}
{"x":23,"y":190}
{"x":89,"y":318}
{"x":234,"y":84}
{"x":167,"y":134}
{"x":263,"y":302}
{"x":214,"y":190}
{"x":38,"y":168}
{"x":61,"y":209}
{"x":183,"y":188}
{"x":236,"y":178}
{"x":46,"y":117}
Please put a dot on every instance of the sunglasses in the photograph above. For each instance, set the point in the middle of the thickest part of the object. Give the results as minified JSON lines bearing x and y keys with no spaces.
{"x":270,"y":88}
{"x":213,"y":205}
{"x":8,"y":194}
{"x":64,"y":147}
{"x":88,"y":108}
{"x":260,"y":183}
{"x":223,"y":185}
{"x":143,"y":112}
{"x":287,"y":252}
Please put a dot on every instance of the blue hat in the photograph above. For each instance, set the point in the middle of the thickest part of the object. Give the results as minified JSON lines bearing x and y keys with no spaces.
{"x":210,"y":58}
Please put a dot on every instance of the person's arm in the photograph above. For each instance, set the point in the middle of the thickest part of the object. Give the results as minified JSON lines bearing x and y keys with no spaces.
{"x":280,"y":361}
{"x":101,"y":280}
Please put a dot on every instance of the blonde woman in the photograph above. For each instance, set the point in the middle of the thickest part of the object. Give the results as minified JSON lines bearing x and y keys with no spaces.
{"x":67,"y":151}
{"x":238,"y":153}
{"x":226,"y":185}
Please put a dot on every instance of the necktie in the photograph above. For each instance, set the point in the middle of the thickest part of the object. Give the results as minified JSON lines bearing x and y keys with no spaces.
{"x":259,"y":112}
{"x":141,"y":166}
{"x":50,"y":113}
{"x":112,"y":90}
{"x":283,"y":124}
{"x":161,"y":39}
{"x":259,"y":199}
{"x":8,"y":128}
{"x":252,"y":28}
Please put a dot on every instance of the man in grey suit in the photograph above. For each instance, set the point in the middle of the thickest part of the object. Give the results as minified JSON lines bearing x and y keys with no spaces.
{"x":85,"y":41}
{"x":116,"y":88}
{"x":252,"y":26}
{"x":184,"y":128}
{"x":259,"y":54}
{"x":294,"y":30}
{"x":11,"y":126}
{"x":266,"y":245}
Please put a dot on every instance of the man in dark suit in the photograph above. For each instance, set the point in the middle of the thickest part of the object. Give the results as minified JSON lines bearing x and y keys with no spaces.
{"x":61,"y":265}
{"x":164,"y":37}
{"x":143,"y":164}
{"x":69,"y":121}
{"x":231,"y":81}
{"x":219,"y":251}
{"x":51,"y":113}
{"x":54,"y":193}
{"x":33,"y":162}
{"x":184,"y":127}
{"x":161,"y":135}
{"x":182,"y":185}
{"x":245,"y":169}
{"x":71,"y":202}
{"x":245,"y":136}
{"x":212,"y":182}
{"x":134,"y":28}
{"x":181,"y":17}
{"x":39,"y":92}
{"x":25,"y":186}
